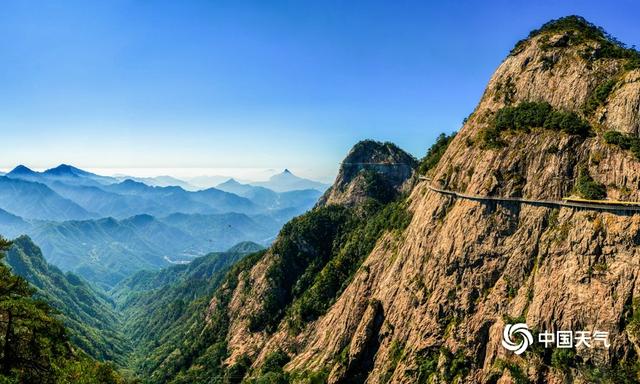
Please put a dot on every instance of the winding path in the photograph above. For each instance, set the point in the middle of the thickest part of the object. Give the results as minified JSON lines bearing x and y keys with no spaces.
{"x":601,"y":205}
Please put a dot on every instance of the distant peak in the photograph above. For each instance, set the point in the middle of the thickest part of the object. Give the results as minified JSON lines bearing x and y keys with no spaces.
{"x":131,"y":182}
{"x":22,"y":170}
{"x":286,"y":171}
{"x":64,"y":170}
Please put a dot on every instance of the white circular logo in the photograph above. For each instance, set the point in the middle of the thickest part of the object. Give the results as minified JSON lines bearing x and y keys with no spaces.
{"x":520,"y":330}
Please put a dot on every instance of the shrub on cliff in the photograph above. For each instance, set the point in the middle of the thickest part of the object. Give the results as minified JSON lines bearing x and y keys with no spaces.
{"x":528,"y":115}
{"x":523,"y":117}
{"x":624,"y":141}
{"x":588,"y":188}
{"x":599,"y":96}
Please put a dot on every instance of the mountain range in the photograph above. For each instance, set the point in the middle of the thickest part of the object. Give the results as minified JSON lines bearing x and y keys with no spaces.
{"x":105,"y":229}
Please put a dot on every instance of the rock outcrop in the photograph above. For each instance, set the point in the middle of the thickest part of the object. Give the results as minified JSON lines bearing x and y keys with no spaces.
{"x":371,"y":169}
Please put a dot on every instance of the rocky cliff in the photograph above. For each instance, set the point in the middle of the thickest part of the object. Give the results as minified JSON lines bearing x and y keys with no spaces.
{"x":343,"y":298}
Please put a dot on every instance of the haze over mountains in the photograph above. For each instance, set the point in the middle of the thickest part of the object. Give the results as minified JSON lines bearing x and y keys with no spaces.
{"x":106,"y":228}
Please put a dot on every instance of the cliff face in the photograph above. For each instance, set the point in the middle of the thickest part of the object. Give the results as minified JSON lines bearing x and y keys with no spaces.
{"x":465,"y":266}
{"x":429,"y":301}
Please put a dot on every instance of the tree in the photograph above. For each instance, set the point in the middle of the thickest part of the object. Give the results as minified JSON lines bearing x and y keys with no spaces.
{"x":34,"y":347}
{"x":30,"y":338}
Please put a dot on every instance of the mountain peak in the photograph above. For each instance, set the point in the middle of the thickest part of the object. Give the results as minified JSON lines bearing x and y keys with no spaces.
{"x":287,"y":181}
{"x":246,"y":247}
{"x":231,"y":181}
{"x":21,"y":170}
{"x":594,"y":42}
{"x":286,"y":174}
{"x":65,"y":170}
{"x":132,"y":183}
{"x":372,"y":169}
{"x":572,"y":23}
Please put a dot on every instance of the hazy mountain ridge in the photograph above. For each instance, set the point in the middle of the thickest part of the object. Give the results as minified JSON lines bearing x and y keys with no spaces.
{"x":37,"y":201}
{"x":287,"y":181}
{"x":269,"y":198}
{"x":105,"y":251}
{"x":142,"y":226}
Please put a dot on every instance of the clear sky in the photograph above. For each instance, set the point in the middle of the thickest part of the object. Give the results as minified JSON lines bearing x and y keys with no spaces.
{"x":257,"y":84}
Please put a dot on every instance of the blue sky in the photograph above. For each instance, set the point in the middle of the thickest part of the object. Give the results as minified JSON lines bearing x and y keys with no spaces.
{"x":258,"y":84}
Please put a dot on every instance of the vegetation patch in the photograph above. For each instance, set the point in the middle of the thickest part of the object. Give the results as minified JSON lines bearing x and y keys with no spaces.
{"x":396,"y":354}
{"x":599,"y":96}
{"x":588,"y":188}
{"x":517,"y":373}
{"x":315,"y":294}
{"x":528,"y":115}
{"x":576,"y":30}
{"x":624,"y":141}
{"x":434,"y":154}
{"x":455,"y":367}
{"x":271,"y":371}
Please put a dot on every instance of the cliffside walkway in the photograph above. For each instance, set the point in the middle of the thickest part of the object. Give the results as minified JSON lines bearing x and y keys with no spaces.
{"x":601,"y":205}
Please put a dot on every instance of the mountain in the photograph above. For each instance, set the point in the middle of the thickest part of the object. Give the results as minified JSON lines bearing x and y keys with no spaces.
{"x":160,"y":181}
{"x":160,"y":306}
{"x":287,"y":181}
{"x":35,"y":345}
{"x":90,"y":316}
{"x":22,"y":171}
{"x":141,"y":229}
{"x":175,"y":199}
{"x":233,"y":186}
{"x":12,"y":226}
{"x":33,"y":200}
{"x":109,"y":204}
{"x":201,"y":267}
{"x":395,"y":279}
{"x":371,"y":168}
{"x":292,"y":281}
{"x":105,"y":251}
{"x":299,"y":200}
{"x":64,"y":173}
{"x":73,"y":175}
{"x":108,"y":197}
